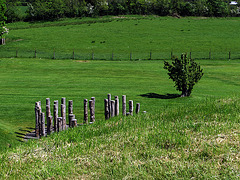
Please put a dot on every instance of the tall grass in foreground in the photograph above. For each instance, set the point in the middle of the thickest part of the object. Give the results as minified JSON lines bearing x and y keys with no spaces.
{"x":200,"y":142}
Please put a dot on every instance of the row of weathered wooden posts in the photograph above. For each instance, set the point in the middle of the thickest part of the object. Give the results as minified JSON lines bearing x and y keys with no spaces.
{"x":58,"y":123}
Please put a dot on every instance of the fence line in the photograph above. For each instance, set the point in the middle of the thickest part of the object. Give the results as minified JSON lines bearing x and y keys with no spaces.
{"x":57,"y":124}
{"x":117,"y":55}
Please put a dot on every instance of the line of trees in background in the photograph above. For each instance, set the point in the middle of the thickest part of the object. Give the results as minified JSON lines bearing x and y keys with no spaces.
{"x":54,"y":9}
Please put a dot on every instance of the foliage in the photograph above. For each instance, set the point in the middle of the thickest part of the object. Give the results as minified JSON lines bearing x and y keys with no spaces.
{"x":3,"y":18}
{"x":54,"y":9}
{"x":185,"y":72}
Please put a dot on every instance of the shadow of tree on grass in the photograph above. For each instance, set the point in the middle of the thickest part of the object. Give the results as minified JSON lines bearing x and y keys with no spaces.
{"x":160,"y":96}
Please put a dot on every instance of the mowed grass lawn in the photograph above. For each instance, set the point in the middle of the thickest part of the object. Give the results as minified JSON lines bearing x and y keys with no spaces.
{"x":125,"y":34}
{"x":25,"y":81}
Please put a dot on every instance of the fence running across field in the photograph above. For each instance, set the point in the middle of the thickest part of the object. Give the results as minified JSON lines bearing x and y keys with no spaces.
{"x":113,"y":55}
{"x":56,"y":123}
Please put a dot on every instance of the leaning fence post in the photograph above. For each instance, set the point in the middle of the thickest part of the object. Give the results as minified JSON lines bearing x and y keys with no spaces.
{"x":131,"y":107}
{"x":138,"y":108}
{"x":112,"y":108}
{"x":116,"y":106}
{"x":106,"y":109}
{"x":85,"y":111}
{"x":42,"y":124}
{"x":124,"y":105}
{"x":55,"y":115}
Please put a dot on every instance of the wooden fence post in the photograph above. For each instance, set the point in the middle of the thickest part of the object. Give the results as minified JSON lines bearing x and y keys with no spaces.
{"x":55,"y":115}
{"x":59,"y":124}
{"x":124,"y":105}
{"x":63,"y":115}
{"x":39,"y":117}
{"x":131,"y":107}
{"x":70,"y":111}
{"x":70,"y":117}
{"x":74,"y":122}
{"x":48,"y":111}
{"x":16,"y":52}
{"x":130,"y":56}
{"x":112,"y":108}
{"x":49,"y":125}
{"x":116,"y":106}
{"x":229,"y":55}
{"x":85,"y":111}
{"x":106,"y":109}
{"x":138,"y":108}
{"x":42,"y":124}
{"x":91,"y":111}
{"x":150,"y":55}
{"x":63,"y":112}
{"x":93,"y":99}
{"x":109,"y":104}
{"x":210,"y":54}
{"x":37,"y":120}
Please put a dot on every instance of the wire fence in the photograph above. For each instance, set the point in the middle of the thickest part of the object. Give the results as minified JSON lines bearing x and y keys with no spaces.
{"x":79,"y":54}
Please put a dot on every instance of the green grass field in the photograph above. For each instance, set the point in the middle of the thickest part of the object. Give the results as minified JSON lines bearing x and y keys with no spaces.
{"x":196,"y":137}
{"x":179,"y":138}
{"x":122,"y":35}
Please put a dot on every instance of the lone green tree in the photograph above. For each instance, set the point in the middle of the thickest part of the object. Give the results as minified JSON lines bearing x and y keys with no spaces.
{"x":185,"y":72}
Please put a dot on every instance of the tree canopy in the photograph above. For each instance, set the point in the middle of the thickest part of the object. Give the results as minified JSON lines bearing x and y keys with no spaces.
{"x":3,"y":18}
{"x":54,"y":9}
{"x":185,"y":73}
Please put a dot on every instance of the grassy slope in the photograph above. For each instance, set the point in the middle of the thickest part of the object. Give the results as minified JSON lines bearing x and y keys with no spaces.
{"x":201,"y":141}
{"x":122,"y":35}
{"x":24,"y":81}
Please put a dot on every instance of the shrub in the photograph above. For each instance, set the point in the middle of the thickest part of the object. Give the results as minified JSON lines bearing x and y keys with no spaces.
{"x":185,"y":72}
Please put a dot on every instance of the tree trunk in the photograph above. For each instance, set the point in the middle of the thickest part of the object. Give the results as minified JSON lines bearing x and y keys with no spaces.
{"x":185,"y":93}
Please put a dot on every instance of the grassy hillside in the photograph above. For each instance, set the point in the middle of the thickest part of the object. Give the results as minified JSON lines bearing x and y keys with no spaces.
{"x":195,"y":137}
{"x":199,"y":141}
{"x":125,"y":34}
{"x":25,"y":81}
